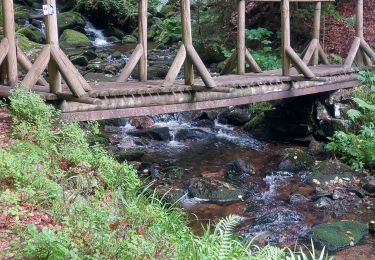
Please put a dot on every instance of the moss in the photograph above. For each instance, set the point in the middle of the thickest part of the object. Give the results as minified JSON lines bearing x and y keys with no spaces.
{"x":31,"y":49}
{"x":70,"y":20}
{"x":32,"y":33}
{"x":340,"y":234}
{"x":214,"y":190}
{"x":328,"y":170}
{"x":22,"y":12}
{"x":296,"y":160}
{"x":72,"y":39}
{"x":129,"y":39}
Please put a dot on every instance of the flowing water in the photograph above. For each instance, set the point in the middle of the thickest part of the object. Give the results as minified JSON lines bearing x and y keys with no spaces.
{"x":266,"y":211}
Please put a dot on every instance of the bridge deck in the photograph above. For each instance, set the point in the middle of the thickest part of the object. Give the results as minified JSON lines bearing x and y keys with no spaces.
{"x":135,"y":98}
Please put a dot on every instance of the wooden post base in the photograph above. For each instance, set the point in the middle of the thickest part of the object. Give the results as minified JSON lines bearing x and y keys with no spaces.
{"x":76,"y":83}
{"x":360,"y":47}
{"x":313,"y":47}
{"x":254,"y":67}
{"x":184,"y":53}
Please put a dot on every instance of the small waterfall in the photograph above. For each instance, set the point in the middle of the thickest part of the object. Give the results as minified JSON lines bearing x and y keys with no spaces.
{"x":97,"y":36}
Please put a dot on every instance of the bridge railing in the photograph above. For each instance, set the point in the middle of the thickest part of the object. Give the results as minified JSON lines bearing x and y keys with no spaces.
{"x":59,"y":66}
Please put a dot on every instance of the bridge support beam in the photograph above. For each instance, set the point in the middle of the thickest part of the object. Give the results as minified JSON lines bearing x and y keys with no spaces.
{"x":360,"y":49}
{"x":188,"y":55}
{"x":139,"y":55}
{"x":315,"y":50}
{"x":57,"y":62}
{"x":241,"y":54}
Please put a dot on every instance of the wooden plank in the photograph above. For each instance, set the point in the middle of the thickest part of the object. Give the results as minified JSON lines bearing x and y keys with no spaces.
{"x":38,"y":67}
{"x":26,"y":65}
{"x":201,"y":68}
{"x":67,"y":73}
{"x":187,"y":39}
{"x":174,"y":108}
{"x":142,"y":27}
{"x":130,"y":65}
{"x":311,"y":51}
{"x":10,"y":34}
{"x":316,"y":31}
{"x":253,"y":64}
{"x":241,"y":45}
{"x":229,"y":65}
{"x":352,"y":53}
{"x":285,"y":36}
{"x":52,"y":38}
{"x":4,"y":48}
{"x":300,"y":65}
{"x":76,"y":74}
{"x":176,"y":66}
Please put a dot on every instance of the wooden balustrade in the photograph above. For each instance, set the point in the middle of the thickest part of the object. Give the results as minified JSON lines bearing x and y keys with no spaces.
{"x":360,"y":48}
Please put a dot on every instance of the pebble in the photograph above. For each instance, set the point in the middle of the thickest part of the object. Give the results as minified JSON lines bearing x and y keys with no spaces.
{"x":337,"y":195}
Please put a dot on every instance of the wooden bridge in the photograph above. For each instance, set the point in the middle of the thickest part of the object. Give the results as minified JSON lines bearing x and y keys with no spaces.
{"x":81,"y":100}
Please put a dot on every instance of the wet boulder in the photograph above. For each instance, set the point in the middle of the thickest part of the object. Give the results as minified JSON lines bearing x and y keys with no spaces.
{"x":170,"y":193}
{"x":183,"y":135}
{"x":204,"y":123}
{"x":340,"y":234}
{"x":73,"y":39}
{"x":298,"y":198}
{"x":235,"y":117}
{"x":369,"y":185}
{"x":32,"y":33}
{"x":296,"y":160}
{"x":142,"y":122}
{"x":214,"y":190}
{"x":79,"y":60}
{"x":329,"y":170}
{"x":130,"y":155}
{"x":158,"y":134}
{"x":173,"y":172}
{"x":316,"y":148}
{"x":323,"y":203}
{"x":239,"y":169}
{"x":70,"y":20}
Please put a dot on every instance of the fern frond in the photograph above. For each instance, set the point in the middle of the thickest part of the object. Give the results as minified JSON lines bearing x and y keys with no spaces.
{"x":225,"y":229}
{"x":354,"y":114}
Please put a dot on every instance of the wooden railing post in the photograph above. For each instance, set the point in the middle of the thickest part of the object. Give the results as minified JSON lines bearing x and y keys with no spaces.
{"x":241,"y":44}
{"x":142,"y":24}
{"x":187,"y":38}
{"x":139,"y":55}
{"x":316,"y":30}
{"x":360,"y":48}
{"x":9,"y":33}
{"x":52,"y":38}
{"x":285,"y":36}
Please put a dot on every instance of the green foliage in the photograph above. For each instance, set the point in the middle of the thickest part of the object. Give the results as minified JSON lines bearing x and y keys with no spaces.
{"x":266,"y":56}
{"x":97,"y":202}
{"x":46,"y":244}
{"x":357,"y":148}
{"x":168,"y":30}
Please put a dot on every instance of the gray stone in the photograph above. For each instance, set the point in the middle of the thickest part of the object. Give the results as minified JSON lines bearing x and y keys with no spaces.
{"x":79,"y":60}
{"x":370,"y":186}
{"x":327,"y":171}
{"x":159,"y":134}
{"x":295,"y":160}
{"x":235,"y":117}
{"x":298,"y":199}
{"x":239,"y":169}
{"x":316,"y":148}
{"x":192,"y":134}
{"x":323,"y":203}
{"x":214,"y":190}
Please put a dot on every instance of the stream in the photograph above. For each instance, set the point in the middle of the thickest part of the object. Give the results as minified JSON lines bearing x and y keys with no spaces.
{"x":276,"y":207}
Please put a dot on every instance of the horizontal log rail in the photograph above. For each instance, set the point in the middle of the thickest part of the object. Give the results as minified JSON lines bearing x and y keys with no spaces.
{"x":60,"y":69}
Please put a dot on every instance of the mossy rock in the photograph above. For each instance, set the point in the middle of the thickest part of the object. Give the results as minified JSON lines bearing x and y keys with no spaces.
{"x":22,"y":12}
{"x":113,"y":32}
{"x":32,"y":33}
{"x":214,"y":190}
{"x":73,"y":39}
{"x":70,"y":20}
{"x":326,"y":171}
{"x":173,"y":172}
{"x":295,"y":160}
{"x":130,"y":155}
{"x":337,"y":235}
{"x":30,"y":48}
{"x":129,"y":39}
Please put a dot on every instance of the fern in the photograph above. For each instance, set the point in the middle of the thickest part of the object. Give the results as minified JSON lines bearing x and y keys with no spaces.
{"x":364,"y":105}
{"x":354,"y":114}
{"x":225,"y":229}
